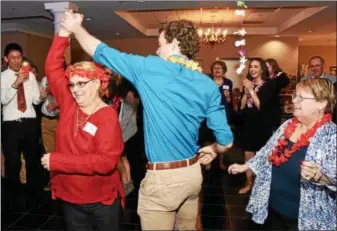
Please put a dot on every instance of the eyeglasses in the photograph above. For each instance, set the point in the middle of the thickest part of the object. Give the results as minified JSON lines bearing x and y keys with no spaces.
{"x":315,"y":66}
{"x":80,"y":84}
{"x":300,"y":98}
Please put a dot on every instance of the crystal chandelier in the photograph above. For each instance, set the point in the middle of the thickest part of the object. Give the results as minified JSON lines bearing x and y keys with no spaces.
{"x":212,"y":36}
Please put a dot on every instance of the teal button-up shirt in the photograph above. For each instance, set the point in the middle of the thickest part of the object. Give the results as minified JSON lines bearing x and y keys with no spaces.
{"x":175,"y":101}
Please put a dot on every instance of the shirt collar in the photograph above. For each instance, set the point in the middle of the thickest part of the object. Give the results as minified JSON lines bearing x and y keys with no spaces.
{"x":11,"y":71}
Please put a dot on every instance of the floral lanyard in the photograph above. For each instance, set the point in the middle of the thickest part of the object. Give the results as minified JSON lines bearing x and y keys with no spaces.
{"x":256,"y":87}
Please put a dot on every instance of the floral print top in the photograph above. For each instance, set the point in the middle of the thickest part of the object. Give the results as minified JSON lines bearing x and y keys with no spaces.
{"x":317,"y":209}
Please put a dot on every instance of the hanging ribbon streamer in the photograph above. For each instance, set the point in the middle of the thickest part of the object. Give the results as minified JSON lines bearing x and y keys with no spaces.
{"x":241,"y":43}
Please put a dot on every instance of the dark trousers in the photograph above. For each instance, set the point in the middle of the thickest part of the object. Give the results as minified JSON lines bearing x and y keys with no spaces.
{"x":83,"y":217}
{"x":21,"y":137}
{"x":277,"y":221}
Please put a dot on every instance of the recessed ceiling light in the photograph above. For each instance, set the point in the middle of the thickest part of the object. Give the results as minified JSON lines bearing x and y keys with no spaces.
{"x":88,"y":19}
{"x":276,"y":36}
{"x":117,"y":33}
{"x":300,"y":39}
{"x":309,"y":31}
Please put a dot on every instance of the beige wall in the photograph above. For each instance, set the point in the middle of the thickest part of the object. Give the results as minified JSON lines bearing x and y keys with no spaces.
{"x":327,"y":52}
{"x":284,"y":50}
{"x":13,"y":37}
{"x":35,"y":48}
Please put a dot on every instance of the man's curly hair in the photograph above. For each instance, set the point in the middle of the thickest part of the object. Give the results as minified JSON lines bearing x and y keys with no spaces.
{"x":186,"y":34}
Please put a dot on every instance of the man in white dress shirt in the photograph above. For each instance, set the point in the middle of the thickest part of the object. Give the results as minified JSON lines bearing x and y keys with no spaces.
{"x":19,"y":91}
{"x":316,"y":67}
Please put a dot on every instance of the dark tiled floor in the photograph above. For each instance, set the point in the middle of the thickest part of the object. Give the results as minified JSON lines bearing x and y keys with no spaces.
{"x":221,"y":208}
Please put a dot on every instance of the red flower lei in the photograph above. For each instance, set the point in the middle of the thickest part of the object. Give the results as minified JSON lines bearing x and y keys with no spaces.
{"x":281,"y":153}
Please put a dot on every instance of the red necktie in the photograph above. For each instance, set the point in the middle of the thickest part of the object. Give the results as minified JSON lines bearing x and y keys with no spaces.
{"x":21,"y":98}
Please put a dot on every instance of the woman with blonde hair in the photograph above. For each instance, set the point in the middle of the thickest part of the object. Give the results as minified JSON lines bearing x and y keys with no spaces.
{"x":295,"y":185}
{"x":89,"y":143}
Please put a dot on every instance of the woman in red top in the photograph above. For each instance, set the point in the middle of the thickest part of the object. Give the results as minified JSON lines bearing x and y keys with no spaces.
{"x":88,"y":144}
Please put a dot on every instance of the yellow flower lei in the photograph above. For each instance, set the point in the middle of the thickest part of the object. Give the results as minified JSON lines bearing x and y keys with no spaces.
{"x":189,"y":64}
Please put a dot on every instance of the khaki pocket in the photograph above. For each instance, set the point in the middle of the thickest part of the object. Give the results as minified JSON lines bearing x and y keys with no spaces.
{"x":148,"y":188}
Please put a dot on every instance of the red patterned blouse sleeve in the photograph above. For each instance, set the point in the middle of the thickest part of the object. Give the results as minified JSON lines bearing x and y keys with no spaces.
{"x":55,"y":70}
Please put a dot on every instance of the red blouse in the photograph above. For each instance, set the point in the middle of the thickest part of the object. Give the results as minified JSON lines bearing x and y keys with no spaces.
{"x":84,"y":166}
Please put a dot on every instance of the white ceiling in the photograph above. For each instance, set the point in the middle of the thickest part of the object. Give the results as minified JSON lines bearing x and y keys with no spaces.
{"x":132,"y":19}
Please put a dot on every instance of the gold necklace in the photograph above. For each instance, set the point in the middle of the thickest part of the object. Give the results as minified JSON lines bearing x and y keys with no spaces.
{"x":79,"y":123}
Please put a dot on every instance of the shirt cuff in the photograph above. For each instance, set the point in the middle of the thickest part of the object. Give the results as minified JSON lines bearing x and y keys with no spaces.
{"x":98,"y":52}
{"x":62,"y":37}
{"x":225,"y":139}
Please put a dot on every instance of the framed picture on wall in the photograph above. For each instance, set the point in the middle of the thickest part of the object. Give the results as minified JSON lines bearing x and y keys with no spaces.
{"x":333,"y":70}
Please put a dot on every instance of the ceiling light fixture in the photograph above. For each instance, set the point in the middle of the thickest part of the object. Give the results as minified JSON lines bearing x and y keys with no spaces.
{"x":212,"y":36}
{"x":310,"y":31}
{"x":277,"y":36}
{"x":88,"y":19}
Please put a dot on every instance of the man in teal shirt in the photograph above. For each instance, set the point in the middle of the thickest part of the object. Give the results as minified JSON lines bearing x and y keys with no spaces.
{"x":176,"y":98}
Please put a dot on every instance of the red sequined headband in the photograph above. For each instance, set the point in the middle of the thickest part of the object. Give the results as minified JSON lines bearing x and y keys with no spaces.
{"x":97,"y":73}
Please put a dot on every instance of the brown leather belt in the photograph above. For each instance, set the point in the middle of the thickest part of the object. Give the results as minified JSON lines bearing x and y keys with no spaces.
{"x":172,"y":165}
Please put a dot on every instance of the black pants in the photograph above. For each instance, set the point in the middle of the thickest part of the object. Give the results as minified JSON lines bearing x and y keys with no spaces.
{"x":277,"y":221}
{"x":21,"y":137}
{"x":83,"y":217}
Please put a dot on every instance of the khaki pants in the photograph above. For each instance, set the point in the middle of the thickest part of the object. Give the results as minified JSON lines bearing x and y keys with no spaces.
{"x":48,"y":133}
{"x":168,"y":199}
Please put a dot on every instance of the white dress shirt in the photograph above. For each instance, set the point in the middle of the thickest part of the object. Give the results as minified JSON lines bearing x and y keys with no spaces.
{"x":128,"y":120}
{"x":9,"y":96}
{"x":50,"y":99}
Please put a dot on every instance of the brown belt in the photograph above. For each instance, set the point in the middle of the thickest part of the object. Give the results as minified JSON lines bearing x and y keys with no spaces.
{"x":172,"y":165}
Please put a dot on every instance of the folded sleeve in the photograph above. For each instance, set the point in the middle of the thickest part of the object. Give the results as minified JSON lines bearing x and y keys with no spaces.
{"x":55,"y":70}
{"x":217,"y":120}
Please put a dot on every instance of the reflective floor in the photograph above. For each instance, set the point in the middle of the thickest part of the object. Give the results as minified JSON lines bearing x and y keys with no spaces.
{"x":221,"y":208}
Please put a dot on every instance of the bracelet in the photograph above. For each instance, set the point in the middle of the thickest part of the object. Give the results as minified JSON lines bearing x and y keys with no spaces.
{"x":14,"y":87}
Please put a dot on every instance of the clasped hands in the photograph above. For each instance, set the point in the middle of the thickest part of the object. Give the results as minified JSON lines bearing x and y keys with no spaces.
{"x":310,"y":171}
{"x":71,"y":21}
{"x":248,"y":85}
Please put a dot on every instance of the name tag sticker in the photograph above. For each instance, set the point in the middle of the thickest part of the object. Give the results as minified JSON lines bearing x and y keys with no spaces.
{"x":225,"y":87}
{"x":90,"y":128}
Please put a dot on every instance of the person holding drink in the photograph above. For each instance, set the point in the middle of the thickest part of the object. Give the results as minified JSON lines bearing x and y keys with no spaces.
{"x":19,"y":91}
{"x":295,"y":183}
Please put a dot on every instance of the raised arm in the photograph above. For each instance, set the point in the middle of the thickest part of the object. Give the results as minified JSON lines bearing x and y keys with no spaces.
{"x":109,"y":145}
{"x":128,"y":66}
{"x":55,"y":68}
